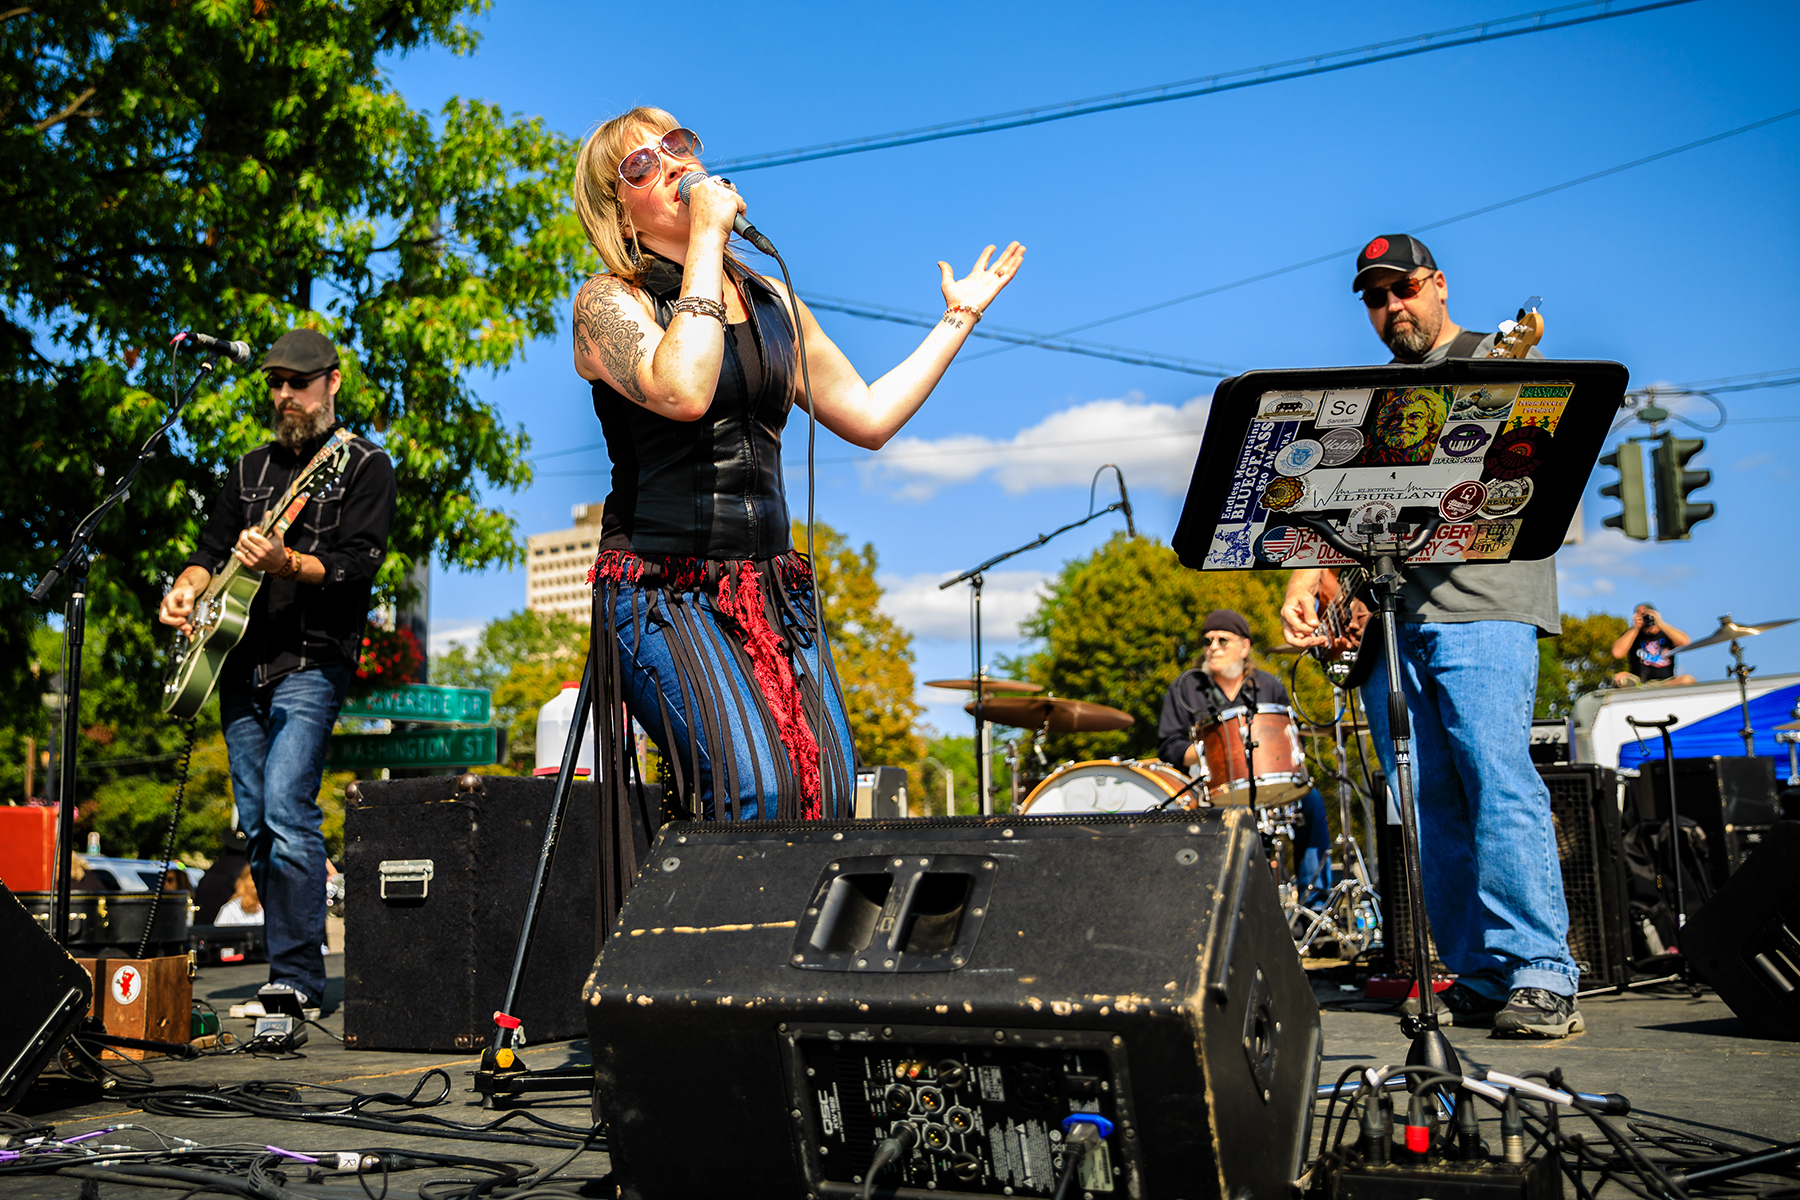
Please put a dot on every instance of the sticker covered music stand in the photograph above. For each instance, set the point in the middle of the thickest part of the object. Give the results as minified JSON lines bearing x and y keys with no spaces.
{"x":1382,"y":468}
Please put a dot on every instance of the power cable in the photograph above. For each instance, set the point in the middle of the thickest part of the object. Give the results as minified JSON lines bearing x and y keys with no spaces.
{"x":1474,"y":212}
{"x":1294,"y":68}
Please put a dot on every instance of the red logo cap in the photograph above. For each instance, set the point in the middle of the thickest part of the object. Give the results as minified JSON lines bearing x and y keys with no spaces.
{"x":1376,"y":248}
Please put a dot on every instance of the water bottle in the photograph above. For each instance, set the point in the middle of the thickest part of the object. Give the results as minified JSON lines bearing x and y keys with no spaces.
{"x":553,"y":734}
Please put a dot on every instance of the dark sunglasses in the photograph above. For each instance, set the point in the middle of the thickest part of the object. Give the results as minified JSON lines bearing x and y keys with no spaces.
{"x":1228,"y":639}
{"x":1406,"y":289}
{"x":298,"y":383}
{"x":644,"y":164}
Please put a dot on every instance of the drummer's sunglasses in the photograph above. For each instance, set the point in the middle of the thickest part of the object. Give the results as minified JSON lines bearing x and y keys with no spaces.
{"x":1375,"y":297}
{"x":644,"y":164}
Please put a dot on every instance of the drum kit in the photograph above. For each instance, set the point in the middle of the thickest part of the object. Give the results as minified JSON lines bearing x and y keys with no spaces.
{"x":1250,"y":755}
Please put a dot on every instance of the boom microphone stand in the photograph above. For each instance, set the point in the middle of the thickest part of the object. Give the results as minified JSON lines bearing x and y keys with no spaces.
{"x":75,"y":562}
{"x":974,"y":577}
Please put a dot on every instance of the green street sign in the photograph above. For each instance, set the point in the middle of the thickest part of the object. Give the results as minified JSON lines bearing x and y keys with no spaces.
{"x":413,"y":748}
{"x":417,"y":702}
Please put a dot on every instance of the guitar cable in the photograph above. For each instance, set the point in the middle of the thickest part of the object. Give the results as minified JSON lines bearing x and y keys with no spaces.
{"x":162,"y":876}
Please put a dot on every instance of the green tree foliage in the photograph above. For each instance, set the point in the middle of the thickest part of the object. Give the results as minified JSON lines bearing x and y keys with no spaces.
{"x":873,"y":654}
{"x":244,"y":167}
{"x":1577,"y":661}
{"x":523,"y":659}
{"x":1117,"y":626}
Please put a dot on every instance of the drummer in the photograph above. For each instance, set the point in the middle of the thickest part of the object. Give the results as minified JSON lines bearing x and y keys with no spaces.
{"x":1223,"y":680}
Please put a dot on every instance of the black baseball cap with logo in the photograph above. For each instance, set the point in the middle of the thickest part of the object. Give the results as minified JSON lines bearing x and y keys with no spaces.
{"x":1391,"y":252}
{"x":302,"y":351}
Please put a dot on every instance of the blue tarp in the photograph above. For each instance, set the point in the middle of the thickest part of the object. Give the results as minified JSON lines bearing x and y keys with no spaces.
{"x":1718,"y":734}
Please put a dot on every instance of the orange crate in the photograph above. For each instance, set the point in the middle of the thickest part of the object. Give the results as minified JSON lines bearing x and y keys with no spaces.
{"x":147,"y":998}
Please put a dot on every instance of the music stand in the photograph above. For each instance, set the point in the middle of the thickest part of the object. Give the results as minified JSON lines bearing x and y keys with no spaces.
{"x":1458,"y":461}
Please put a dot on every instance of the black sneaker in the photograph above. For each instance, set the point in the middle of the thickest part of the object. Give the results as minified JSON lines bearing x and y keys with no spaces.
{"x":1460,"y":1004}
{"x":1534,"y":1012}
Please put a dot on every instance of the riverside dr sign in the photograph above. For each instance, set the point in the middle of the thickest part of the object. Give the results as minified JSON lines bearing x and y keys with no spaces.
{"x":419,"y":702}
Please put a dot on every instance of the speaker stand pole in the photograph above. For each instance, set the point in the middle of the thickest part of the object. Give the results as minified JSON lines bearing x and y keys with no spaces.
{"x":1675,"y":839}
{"x":502,"y":1071}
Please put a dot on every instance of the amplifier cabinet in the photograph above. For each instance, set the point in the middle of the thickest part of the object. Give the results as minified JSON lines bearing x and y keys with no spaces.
{"x":438,"y":872}
{"x":47,"y":993}
{"x":1585,"y":811}
{"x":1731,"y":798}
{"x":815,"y":986}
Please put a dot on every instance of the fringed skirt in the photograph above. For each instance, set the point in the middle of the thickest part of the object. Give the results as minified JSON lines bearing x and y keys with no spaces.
{"x":716,"y":661}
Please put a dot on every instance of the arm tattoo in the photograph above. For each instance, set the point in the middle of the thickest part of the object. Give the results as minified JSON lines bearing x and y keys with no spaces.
{"x":601,"y":328}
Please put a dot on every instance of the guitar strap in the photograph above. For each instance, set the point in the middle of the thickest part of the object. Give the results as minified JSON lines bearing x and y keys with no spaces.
{"x":1463,"y":344}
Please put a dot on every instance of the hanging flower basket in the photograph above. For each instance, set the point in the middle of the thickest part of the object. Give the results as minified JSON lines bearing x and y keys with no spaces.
{"x":390,"y":658}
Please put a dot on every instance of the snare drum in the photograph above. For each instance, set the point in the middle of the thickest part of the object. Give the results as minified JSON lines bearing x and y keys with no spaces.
{"x":1110,"y":786}
{"x":1277,"y":763}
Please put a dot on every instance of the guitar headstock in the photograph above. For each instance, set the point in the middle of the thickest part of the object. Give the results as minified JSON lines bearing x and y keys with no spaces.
{"x":1519,"y":335}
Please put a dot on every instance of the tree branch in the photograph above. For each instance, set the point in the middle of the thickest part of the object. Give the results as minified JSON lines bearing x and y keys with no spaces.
{"x":66,"y":113}
{"x":10,"y":13}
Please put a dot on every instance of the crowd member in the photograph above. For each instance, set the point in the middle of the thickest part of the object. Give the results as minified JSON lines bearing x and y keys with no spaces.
{"x":1197,"y":697}
{"x":1648,"y":648}
{"x":1468,"y":634}
{"x":703,"y":611}
{"x":283,"y":683}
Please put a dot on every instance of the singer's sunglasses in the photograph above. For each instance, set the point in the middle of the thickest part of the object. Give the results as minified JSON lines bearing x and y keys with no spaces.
{"x":644,"y":164}
{"x":298,"y":383}
{"x":1406,"y":289}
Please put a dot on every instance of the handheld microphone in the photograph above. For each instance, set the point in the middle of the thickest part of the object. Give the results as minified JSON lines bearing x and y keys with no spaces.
{"x":740,"y":226}
{"x":237,"y":352}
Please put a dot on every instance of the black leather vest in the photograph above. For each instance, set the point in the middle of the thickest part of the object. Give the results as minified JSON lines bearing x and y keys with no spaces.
{"x":709,"y":488}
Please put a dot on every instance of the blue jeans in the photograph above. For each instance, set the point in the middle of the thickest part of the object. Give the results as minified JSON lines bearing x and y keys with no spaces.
{"x":276,"y":737}
{"x":1492,"y":880}
{"x":1312,"y":841}
{"x":747,"y":768}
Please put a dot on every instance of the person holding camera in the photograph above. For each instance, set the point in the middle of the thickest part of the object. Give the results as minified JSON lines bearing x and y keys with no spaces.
{"x":1648,"y":647}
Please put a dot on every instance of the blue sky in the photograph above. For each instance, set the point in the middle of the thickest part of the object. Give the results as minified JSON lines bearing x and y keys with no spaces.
{"x":1684,"y":269}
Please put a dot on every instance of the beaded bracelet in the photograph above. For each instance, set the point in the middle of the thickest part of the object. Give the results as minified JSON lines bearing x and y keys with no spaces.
{"x":701,"y":306}
{"x":291,"y":568}
{"x":967,"y":308}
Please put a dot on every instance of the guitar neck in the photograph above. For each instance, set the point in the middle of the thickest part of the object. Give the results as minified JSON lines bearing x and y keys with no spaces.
{"x":1337,"y":613}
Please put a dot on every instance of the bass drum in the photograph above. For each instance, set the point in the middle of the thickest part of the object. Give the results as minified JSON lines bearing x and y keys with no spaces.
{"x":1110,"y":786}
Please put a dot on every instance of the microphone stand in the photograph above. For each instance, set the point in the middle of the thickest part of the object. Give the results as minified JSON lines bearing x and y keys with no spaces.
{"x":1384,"y":553}
{"x":75,"y":562}
{"x":974,"y":576}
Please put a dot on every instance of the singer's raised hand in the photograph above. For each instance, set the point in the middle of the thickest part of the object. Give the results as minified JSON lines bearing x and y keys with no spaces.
{"x":714,"y":205}
{"x":979,"y":287}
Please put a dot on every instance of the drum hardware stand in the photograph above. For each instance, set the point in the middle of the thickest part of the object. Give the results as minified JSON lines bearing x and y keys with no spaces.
{"x":1383,"y":552}
{"x":75,"y":563}
{"x":974,"y":577}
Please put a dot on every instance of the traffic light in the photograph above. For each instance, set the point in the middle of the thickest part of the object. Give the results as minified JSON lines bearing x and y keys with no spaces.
{"x":1675,"y":515}
{"x":1634,"y":520}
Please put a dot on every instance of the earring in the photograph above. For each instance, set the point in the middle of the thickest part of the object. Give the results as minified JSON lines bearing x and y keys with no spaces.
{"x":637,"y":253}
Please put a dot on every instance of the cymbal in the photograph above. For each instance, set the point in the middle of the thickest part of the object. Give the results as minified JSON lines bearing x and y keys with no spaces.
{"x":1047,"y":712}
{"x":1326,"y":730}
{"x":986,"y":685}
{"x":1729,"y":631}
{"x":1789,"y":726}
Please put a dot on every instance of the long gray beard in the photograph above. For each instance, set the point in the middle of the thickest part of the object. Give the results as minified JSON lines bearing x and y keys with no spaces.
{"x":295,"y":429}
{"x":1228,"y":671}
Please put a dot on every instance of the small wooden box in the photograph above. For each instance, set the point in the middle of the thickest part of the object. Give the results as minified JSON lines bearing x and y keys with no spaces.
{"x":147,"y":998}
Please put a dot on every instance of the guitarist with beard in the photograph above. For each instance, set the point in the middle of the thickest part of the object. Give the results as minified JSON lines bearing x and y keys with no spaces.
{"x":281,"y":686}
{"x":1492,"y":883}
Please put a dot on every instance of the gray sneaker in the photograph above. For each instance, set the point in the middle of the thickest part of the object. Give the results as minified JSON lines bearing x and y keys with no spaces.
{"x":1534,"y":1012}
{"x":1460,"y":1006}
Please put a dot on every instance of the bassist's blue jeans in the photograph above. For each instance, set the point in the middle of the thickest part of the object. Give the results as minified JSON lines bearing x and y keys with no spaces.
{"x":1492,"y":880}
{"x":276,"y":737}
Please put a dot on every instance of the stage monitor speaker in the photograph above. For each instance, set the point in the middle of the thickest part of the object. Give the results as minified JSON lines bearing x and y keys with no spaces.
{"x":439,"y":871}
{"x":807,"y":989}
{"x":1731,"y":799}
{"x":47,"y":995}
{"x":1585,"y":811}
{"x":1746,"y":943}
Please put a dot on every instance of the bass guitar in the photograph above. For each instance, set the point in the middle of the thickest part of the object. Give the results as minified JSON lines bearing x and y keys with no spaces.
{"x":1352,"y":666}
{"x":223,"y":610}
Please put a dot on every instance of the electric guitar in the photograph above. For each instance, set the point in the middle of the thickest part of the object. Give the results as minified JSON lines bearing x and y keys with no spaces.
{"x":1352,"y":666}
{"x":223,"y":610}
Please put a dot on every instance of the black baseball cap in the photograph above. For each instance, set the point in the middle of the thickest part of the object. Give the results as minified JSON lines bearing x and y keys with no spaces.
{"x":1225,"y":621}
{"x":1392,"y":252}
{"x":302,"y":351}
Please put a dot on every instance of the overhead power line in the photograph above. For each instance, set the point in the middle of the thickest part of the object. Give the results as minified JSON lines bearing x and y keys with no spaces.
{"x":1464,"y":216}
{"x":1294,"y":68}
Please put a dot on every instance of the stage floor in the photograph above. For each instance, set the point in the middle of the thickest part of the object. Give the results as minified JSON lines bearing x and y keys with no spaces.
{"x":1683,"y":1061}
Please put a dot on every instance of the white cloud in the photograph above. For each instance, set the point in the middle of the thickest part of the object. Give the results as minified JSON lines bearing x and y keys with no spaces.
{"x":1153,"y":444}
{"x":443,"y":639}
{"x":1608,"y":560}
{"x":1753,"y":462}
{"x":917,"y":603}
